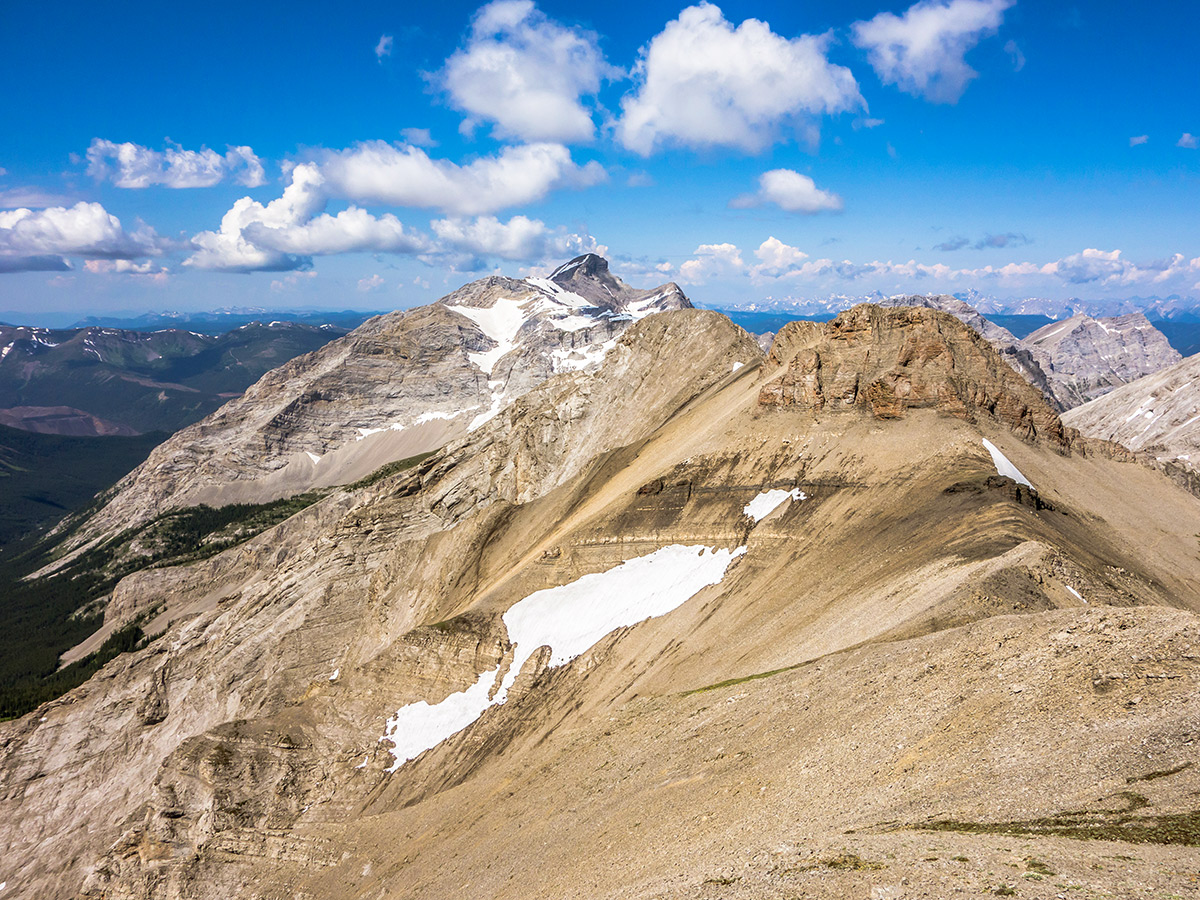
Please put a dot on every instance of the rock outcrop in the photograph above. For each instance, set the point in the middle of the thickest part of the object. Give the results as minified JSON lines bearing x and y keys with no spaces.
{"x":889,"y":360}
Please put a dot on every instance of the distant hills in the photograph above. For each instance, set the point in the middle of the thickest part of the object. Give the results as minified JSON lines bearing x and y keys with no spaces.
{"x":108,"y":380}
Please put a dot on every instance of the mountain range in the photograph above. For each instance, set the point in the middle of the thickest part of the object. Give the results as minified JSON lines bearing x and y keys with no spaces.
{"x":100,"y":380}
{"x":594,"y":598}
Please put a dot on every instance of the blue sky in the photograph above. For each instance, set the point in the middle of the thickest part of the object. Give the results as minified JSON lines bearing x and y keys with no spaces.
{"x":314,"y":155}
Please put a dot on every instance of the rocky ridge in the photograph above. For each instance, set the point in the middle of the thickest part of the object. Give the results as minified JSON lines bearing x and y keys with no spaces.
{"x":903,"y":636}
{"x":400,"y":385}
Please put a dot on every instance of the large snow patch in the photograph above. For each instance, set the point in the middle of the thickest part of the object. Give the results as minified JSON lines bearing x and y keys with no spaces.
{"x":569,"y":620}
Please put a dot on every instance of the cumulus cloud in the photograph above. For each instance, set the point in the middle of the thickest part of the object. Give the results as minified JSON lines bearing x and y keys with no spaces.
{"x":378,"y":172}
{"x":701,"y":82}
{"x":777,"y":258}
{"x":520,"y":238}
{"x":526,"y":73}
{"x":923,"y":51}
{"x":133,"y":166}
{"x":1138,"y":140}
{"x":231,"y":250}
{"x":712,"y":261}
{"x":374,"y":283}
{"x":779,"y":262}
{"x":1188,"y":141}
{"x":352,"y":230}
{"x":384,"y":47}
{"x":37,"y":240}
{"x":790,"y":191}
{"x":286,"y":233}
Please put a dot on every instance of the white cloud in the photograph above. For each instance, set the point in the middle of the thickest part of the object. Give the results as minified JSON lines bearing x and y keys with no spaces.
{"x":1188,"y":141}
{"x":230,"y":250}
{"x":378,"y":172}
{"x":704,"y":83}
{"x":777,"y":258}
{"x":418,"y":137}
{"x":790,"y":191}
{"x":712,"y":261}
{"x":133,"y":166}
{"x":374,"y":283}
{"x":352,"y":230}
{"x":1015,"y":54}
{"x":923,"y":51}
{"x":384,"y":47}
{"x":1139,"y":139}
{"x":520,"y":238}
{"x":85,"y":229}
{"x":526,"y":73}
{"x":147,"y":271}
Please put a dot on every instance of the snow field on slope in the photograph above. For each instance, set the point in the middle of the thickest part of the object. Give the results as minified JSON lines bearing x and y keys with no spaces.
{"x":569,"y":620}
{"x":501,"y":322}
{"x":768,"y":501}
{"x":1003,"y":466}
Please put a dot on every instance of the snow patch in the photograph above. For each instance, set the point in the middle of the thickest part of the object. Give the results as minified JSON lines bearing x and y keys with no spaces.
{"x":363,"y":764}
{"x":1003,"y":466}
{"x":316,"y":459}
{"x":569,"y":620}
{"x":738,"y":365}
{"x":1078,"y":596}
{"x":768,"y":501}
{"x":500,"y":322}
{"x":578,"y":359}
{"x":336,"y":673}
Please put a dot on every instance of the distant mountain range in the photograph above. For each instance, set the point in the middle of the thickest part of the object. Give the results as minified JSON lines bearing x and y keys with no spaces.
{"x":216,"y":321}
{"x":1173,"y":308}
{"x":112,"y":381}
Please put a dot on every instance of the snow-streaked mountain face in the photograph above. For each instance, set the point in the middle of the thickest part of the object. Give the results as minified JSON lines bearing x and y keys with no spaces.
{"x":401,"y":384}
{"x":1157,"y":415}
{"x":1085,"y":357}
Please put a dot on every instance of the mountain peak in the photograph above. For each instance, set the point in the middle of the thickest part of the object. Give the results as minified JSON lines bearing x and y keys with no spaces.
{"x":589,"y":266}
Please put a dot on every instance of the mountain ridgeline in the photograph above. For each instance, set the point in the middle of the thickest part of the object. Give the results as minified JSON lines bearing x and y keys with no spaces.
{"x":591,"y":597}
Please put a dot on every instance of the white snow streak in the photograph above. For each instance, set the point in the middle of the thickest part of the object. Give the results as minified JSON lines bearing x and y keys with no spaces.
{"x":500,"y":322}
{"x":1078,"y":596}
{"x":336,"y":673}
{"x":768,"y":501}
{"x":1003,"y":466}
{"x":316,"y":459}
{"x":738,"y":365}
{"x":569,"y":620}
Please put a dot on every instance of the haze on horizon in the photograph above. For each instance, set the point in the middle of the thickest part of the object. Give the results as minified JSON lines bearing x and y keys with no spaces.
{"x":376,"y":157}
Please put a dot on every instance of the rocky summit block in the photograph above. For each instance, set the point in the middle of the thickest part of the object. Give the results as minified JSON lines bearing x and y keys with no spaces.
{"x":889,"y":360}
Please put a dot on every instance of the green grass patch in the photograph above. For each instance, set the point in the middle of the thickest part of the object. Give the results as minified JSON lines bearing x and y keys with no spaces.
{"x":1130,"y":825}
{"x":745,"y":678}
{"x":389,"y":469}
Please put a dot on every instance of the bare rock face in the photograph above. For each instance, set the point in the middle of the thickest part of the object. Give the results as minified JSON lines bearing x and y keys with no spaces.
{"x":1157,"y":416}
{"x":888,"y":361}
{"x":1085,"y":357}
{"x":401,"y":384}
